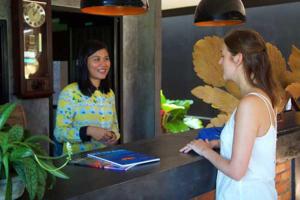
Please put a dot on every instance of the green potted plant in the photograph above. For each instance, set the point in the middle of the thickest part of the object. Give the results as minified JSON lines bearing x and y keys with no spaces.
{"x":23,"y":160}
{"x":174,"y":115}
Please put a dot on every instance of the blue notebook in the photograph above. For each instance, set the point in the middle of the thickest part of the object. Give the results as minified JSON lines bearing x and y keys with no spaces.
{"x":123,"y":157}
{"x":91,"y":162}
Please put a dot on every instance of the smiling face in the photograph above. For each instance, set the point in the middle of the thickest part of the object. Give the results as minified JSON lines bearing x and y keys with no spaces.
{"x":98,"y":66}
{"x":229,"y":66}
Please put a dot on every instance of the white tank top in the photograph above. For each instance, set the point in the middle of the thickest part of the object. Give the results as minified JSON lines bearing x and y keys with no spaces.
{"x":259,"y":181}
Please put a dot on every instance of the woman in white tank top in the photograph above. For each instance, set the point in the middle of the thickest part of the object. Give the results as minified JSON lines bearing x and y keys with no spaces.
{"x":246,"y":164}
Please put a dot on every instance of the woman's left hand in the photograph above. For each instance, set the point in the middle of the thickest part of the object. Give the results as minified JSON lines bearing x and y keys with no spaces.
{"x":110,"y":137}
{"x":199,"y":146}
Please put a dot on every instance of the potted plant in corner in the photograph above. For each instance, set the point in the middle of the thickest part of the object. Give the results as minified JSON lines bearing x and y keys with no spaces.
{"x":23,"y":162}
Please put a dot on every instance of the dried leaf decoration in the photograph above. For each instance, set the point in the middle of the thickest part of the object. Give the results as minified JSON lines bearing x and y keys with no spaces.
{"x":294,"y":60}
{"x":206,"y":55}
{"x":280,"y":73}
{"x":217,"y":97}
{"x":278,"y":63}
{"x":294,"y":63}
{"x":233,"y":89}
{"x":294,"y":90}
{"x":219,"y":121}
{"x":293,"y":76}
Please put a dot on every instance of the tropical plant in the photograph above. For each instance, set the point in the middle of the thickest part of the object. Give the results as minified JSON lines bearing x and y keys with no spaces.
{"x":225,"y":95}
{"x":174,"y":115}
{"x":22,"y":155}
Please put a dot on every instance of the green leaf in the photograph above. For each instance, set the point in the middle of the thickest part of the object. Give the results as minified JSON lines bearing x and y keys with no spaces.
{"x":38,"y":138}
{"x":7,"y":175}
{"x":169,"y":107}
{"x":8,"y":189}
{"x":177,"y":114}
{"x":20,"y":152}
{"x":184,"y":103}
{"x":3,"y":107}
{"x":16,"y":133}
{"x":162,"y":98}
{"x":42,"y":176}
{"x":4,"y":142}
{"x":52,"y":181}
{"x":19,"y":168}
{"x":51,"y":169}
{"x":193,"y":122}
{"x":4,"y":115}
{"x":50,"y":157}
{"x":1,"y":164}
{"x":175,"y":111}
{"x":179,"y":105}
{"x":176,"y":126}
{"x":30,"y":169}
{"x":27,"y":170}
{"x":37,"y":149}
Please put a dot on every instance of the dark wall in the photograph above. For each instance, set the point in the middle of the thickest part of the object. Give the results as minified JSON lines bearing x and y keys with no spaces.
{"x":3,"y":63}
{"x":279,"y":24}
{"x":71,"y":30}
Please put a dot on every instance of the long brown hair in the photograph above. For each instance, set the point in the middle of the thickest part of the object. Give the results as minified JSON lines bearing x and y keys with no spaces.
{"x":255,"y":60}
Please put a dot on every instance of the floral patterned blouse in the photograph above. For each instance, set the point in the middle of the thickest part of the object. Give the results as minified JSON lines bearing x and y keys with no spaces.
{"x":76,"y":110}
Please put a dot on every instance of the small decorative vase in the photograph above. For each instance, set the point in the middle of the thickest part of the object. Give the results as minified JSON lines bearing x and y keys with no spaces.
{"x":18,"y":187}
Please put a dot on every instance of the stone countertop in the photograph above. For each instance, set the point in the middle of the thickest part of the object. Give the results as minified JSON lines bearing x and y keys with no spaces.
{"x":176,"y":176}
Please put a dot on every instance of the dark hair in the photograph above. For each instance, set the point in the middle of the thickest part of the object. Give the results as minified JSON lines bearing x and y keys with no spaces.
{"x":85,"y":85}
{"x":255,"y":59}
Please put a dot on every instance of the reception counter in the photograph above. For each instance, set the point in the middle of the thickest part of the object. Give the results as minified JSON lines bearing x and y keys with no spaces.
{"x":176,"y":176}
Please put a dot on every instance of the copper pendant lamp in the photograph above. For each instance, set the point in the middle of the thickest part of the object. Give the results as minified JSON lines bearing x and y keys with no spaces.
{"x":114,"y":7}
{"x":219,"y":13}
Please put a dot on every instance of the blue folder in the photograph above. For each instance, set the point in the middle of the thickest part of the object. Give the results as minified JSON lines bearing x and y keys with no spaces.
{"x":210,"y":133}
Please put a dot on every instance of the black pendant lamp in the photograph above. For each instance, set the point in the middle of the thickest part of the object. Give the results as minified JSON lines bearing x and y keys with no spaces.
{"x":219,"y":13}
{"x":114,"y":7}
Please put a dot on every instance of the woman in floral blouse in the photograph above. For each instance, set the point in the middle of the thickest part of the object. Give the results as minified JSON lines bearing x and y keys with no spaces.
{"x":86,"y":114}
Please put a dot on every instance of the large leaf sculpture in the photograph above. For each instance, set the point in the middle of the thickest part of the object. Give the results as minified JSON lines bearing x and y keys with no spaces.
{"x":278,"y":64}
{"x":206,"y":56}
{"x":207,"y":52}
{"x":224,"y":95}
{"x":294,"y":90}
{"x":294,"y":75}
{"x":218,"y":121}
{"x":294,"y":63}
{"x":217,"y":97}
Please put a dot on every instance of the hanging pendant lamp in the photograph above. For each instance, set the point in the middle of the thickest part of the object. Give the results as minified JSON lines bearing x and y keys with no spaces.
{"x":114,"y":7}
{"x":219,"y":13}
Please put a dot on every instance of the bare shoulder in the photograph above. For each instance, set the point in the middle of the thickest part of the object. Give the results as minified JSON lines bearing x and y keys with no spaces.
{"x":251,"y":108}
{"x":248,"y":116}
{"x":250,"y":103}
